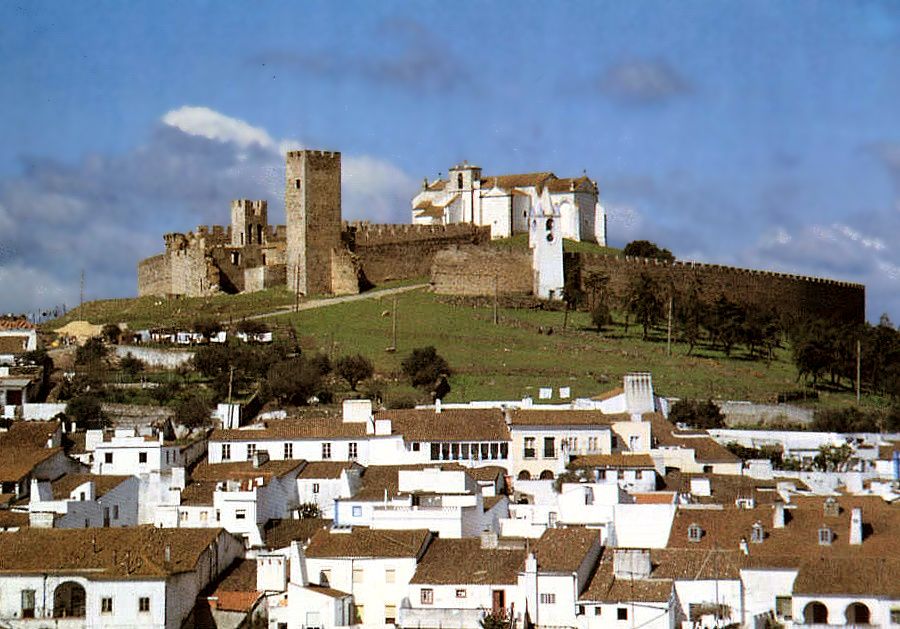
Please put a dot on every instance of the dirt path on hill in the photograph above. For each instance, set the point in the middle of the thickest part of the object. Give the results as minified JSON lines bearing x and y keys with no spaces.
{"x":330,"y":301}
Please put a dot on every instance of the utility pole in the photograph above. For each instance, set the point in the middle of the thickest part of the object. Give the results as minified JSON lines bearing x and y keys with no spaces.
{"x":496,"y":298}
{"x":394,"y":324}
{"x":230,"y":382}
{"x":81,"y":302}
{"x":858,"y":368}
{"x":297,"y":289}
{"x":669,"y":331}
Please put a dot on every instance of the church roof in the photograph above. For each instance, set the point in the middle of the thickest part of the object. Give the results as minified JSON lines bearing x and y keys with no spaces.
{"x":523,"y":180}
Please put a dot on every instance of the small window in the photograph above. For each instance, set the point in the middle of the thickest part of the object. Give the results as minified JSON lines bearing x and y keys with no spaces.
{"x":390,"y":575}
{"x":297,"y":184}
{"x":352,"y":450}
{"x":549,"y":447}
{"x":107,"y":457}
{"x":183,"y":516}
{"x":588,"y":496}
{"x":757,"y":533}
{"x":459,"y":181}
{"x":707,"y":469}
{"x":289,"y":451}
{"x":461,"y":593}
{"x":622,"y":613}
{"x":326,"y":450}
{"x":548,"y":599}
{"x":783,"y":607}
{"x":357,"y":512}
{"x":895,"y":616}
{"x":695,"y":533}
{"x":27,"y":603}
{"x":598,"y":611}
{"x":315,"y":488}
{"x":825,"y":536}
{"x":226,"y":451}
{"x":580,"y":610}
{"x":416,"y":446}
{"x":251,"y":450}
{"x":115,"y":512}
{"x":325,"y":577}
{"x":106,"y":605}
{"x":144,"y":604}
{"x":142,"y":457}
{"x":427,"y":596}
{"x":530,"y":451}
{"x":240,"y":514}
{"x":357,"y":575}
{"x":235,"y":258}
{"x":204,"y":516}
{"x":82,"y":496}
{"x":390,"y":614}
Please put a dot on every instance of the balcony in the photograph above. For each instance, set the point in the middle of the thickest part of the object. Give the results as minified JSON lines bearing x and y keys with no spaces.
{"x":440,"y":618}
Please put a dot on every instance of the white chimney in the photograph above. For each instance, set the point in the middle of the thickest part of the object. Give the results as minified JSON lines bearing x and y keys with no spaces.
{"x":298,"y":565}
{"x":437,"y":406}
{"x":745,"y":548}
{"x":638,"y":393}
{"x":778,"y":516}
{"x":856,"y":526}
{"x":357,"y":411}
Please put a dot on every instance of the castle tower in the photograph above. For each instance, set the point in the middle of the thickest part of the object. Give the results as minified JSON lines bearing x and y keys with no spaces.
{"x":312,"y":205}
{"x":249,"y":222}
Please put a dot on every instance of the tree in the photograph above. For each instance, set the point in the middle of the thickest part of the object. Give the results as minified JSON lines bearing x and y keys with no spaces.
{"x":689,"y":315}
{"x":111,"y":333}
{"x":703,"y":414}
{"x":92,"y":352}
{"x":131,"y":366}
{"x":294,"y":380}
{"x":495,"y":620}
{"x":193,"y":409}
{"x":86,"y":411}
{"x":833,"y":458}
{"x":647,"y":249}
{"x":726,"y":323}
{"x":595,"y":284}
{"x":321,"y":363}
{"x":572,"y":296}
{"x":600,"y":316}
{"x":423,"y":366}
{"x":207,"y":326}
{"x":354,"y":369}
{"x":252,"y":326}
{"x":645,"y":303}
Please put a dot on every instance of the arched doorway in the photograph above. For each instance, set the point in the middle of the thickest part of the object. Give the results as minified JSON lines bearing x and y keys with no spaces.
{"x":546,"y":475}
{"x":524,"y":475}
{"x":68,"y":600}
{"x":815,"y":613}
{"x":857,"y":614}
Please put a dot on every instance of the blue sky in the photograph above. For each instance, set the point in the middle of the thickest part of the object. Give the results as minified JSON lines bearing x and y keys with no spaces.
{"x":760,"y":134}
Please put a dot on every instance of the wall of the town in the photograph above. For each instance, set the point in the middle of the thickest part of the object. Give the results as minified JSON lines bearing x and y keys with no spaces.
{"x":481,"y":271}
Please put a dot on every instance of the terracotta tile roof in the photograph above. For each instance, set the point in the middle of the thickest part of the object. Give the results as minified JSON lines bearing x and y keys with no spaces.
{"x":604,"y":587}
{"x":16,"y":464}
{"x":362,"y":542}
{"x":706,"y":564}
{"x":654,"y":498}
{"x":706,"y":449}
{"x":489,"y":502}
{"x":199,"y":493}
{"x":538,"y":417}
{"x":28,"y":434}
{"x":280,"y":533}
{"x":461,"y":424}
{"x":236,"y":590}
{"x":726,"y":488}
{"x":438,"y":184}
{"x":291,"y":429}
{"x":866,"y":576}
{"x":15,"y":323}
{"x":241,"y":470}
{"x":568,"y":183}
{"x":326,"y":469}
{"x":886,"y":451}
{"x":464,"y":562}
{"x":65,"y":485}
{"x":378,"y":479}
{"x":104,"y":553}
{"x":522,"y":180}
{"x":608,"y":395}
{"x":605,"y":461}
{"x":487,"y":473}
{"x":327,"y":591}
{"x":13,"y":344}
{"x":563,"y":549}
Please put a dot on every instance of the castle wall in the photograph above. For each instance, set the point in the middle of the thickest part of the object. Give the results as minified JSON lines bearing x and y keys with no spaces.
{"x":791,"y":295}
{"x":262,"y":277}
{"x":470,"y":270}
{"x":396,"y":252}
{"x":155,"y":276}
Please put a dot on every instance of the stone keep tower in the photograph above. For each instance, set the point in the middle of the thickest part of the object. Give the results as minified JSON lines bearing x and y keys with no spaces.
{"x":249,"y":222}
{"x":312,"y":204}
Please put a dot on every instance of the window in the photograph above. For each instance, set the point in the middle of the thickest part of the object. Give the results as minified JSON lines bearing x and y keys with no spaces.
{"x":783,"y":607}
{"x":282,"y":625}
{"x":297,"y":184}
{"x":459,"y":181}
{"x":357,"y":512}
{"x":416,"y":446}
{"x":360,"y":613}
{"x":634,"y":443}
{"x":351,"y":450}
{"x":204,"y":516}
{"x":144,"y":604}
{"x":427,"y":596}
{"x":757,"y":533}
{"x":251,"y":450}
{"x":315,"y":488}
{"x":622,"y":613}
{"x":142,"y":457}
{"x":435,"y":451}
{"x":289,"y":451}
{"x":235,"y":258}
{"x":895,"y":616}
{"x":504,"y":450}
{"x":357,"y":575}
{"x":549,"y":447}
{"x":592,"y":446}
{"x":548,"y":599}
{"x":588,"y":496}
{"x":27,"y":603}
{"x":530,"y":452}
{"x":707,"y":469}
{"x":580,"y":611}
{"x":226,"y":451}
{"x":240,"y":514}
{"x":390,"y":614}
{"x":183,"y":516}
{"x":598,"y":610}
{"x":326,"y":450}
{"x":390,"y":575}
{"x":461,"y":593}
{"x":694,"y":533}
{"x":825,"y":536}
{"x":613,"y":442}
{"x":107,"y":457}
{"x":325,"y":576}
{"x":218,"y":516}
{"x":115,"y":512}
{"x":82,"y":497}
{"x":106,"y":605}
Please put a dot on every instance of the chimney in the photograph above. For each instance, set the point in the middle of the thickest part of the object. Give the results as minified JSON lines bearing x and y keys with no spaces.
{"x":489,"y":540}
{"x":745,"y":548}
{"x":260,"y":457}
{"x":778,"y":516}
{"x":168,"y":554}
{"x":856,"y":526}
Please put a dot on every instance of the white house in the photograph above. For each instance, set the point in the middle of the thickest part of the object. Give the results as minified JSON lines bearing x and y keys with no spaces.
{"x":84,"y":501}
{"x":125,"y":451}
{"x":17,"y":336}
{"x":505,"y":202}
{"x":104,"y":577}
{"x":321,"y":483}
{"x":32,"y":450}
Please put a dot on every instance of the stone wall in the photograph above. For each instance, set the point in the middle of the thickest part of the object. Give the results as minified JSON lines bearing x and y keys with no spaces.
{"x":470,"y":270}
{"x":794,"y":296}
{"x":263,"y":277}
{"x":397,"y":252}
{"x":154,"y":357}
{"x":155,"y":276}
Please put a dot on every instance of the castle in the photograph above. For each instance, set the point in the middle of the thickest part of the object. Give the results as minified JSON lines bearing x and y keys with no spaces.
{"x":314,"y":253}
{"x":504,"y":202}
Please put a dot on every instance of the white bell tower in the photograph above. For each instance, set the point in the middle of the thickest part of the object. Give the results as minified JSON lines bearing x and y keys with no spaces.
{"x":545,"y":240}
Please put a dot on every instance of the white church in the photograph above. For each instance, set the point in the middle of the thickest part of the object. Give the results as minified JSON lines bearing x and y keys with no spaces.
{"x":505,"y":202}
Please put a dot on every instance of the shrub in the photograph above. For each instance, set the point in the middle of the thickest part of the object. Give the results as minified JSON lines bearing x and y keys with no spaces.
{"x":111,"y":333}
{"x":207,"y":326}
{"x":294,"y":381}
{"x":92,"y":351}
{"x":424,"y":366}
{"x":193,"y":409}
{"x":600,"y":316}
{"x":86,"y":411}
{"x":647,"y":249}
{"x":354,"y":369}
{"x":131,"y":366}
{"x":703,"y":414}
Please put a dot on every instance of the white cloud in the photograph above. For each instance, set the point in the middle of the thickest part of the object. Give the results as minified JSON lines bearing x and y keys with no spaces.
{"x":375,"y":190}
{"x":213,"y":125}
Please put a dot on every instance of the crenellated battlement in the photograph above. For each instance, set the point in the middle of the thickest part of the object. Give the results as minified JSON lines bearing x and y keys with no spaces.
{"x":366,"y":234}
{"x":316,"y":153}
